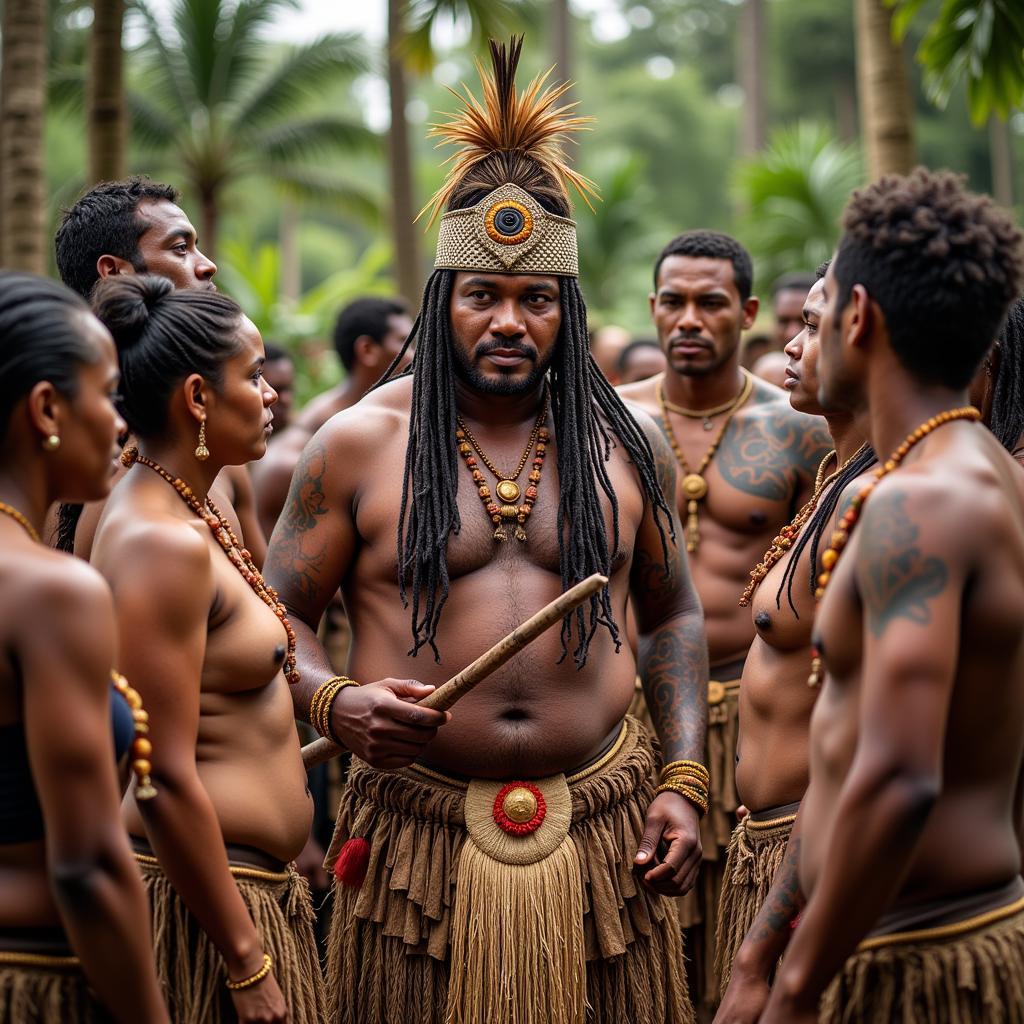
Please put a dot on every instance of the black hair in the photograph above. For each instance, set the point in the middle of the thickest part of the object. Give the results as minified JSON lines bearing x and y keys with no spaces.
{"x":795,"y":282}
{"x":275,"y":353}
{"x":1007,"y":412}
{"x":943,"y":265}
{"x":40,"y":339}
{"x":632,"y":347}
{"x":819,"y":523}
{"x":105,"y":222}
{"x":162,"y":336}
{"x":364,"y":317}
{"x":588,"y":417}
{"x":715,"y":246}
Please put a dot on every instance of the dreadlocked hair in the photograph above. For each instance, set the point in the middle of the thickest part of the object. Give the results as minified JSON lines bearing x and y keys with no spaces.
{"x":1007,"y":413}
{"x":588,"y":418}
{"x":819,"y":523}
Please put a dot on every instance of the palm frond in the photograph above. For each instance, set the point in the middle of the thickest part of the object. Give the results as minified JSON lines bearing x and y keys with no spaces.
{"x":488,"y":19}
{"x":168,"y":72}
{"x":310,"y":185}
{"x":151,"y":128}
{"x":295,"y":140}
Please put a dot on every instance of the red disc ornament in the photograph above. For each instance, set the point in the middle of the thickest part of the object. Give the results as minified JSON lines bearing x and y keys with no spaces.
{"x":519,"y":808}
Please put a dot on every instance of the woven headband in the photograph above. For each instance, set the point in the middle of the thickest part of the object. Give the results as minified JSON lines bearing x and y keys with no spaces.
{"x":508,"y":232}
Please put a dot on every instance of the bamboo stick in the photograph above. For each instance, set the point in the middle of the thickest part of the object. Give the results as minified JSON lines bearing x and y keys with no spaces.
{"x":448,"y":693}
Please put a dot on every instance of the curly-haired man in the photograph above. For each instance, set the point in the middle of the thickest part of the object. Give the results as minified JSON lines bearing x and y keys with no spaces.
{"x":906,"y":843}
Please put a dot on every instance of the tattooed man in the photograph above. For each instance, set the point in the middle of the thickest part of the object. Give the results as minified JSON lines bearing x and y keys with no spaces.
{"x":509,"y":861}
{"x":746,"y":462}
{"x":908,"y":841}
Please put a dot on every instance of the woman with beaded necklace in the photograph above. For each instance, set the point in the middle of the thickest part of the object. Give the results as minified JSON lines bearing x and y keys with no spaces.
{"x":209,"y":647}
{"x":74,"y":942}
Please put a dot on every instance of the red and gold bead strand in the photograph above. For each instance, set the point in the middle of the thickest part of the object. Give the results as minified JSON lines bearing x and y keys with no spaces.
{"x":841,"y":536}
{"x":141,"y":749}
{"x":789,"y":533}
{"x":239,"y":556}
{"x":508,"y":510}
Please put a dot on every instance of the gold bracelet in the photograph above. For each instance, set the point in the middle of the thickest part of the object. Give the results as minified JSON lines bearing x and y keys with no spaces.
{"x":695,"y":767}
{"x":323,"y":700}
{"x":685,"y":779}
{"x":697,"y":797}
{"x":253,"y":979}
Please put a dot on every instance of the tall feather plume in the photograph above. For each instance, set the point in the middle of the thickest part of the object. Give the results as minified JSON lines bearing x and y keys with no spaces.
{"x":529,"y":123}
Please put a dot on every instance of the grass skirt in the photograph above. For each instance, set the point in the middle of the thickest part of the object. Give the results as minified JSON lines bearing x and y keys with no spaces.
{"x":38,"y":989}
{"x":426,"y":892}
{"x":967,"y":973}
{"x":756,"y":850}
{"x":190,"y":969}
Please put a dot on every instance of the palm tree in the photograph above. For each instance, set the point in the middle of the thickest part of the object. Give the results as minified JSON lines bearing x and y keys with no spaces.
{"x":793,"y":195}
{"x":884,"y":89}
{"x":225,"y":118}
{"x":107,"y":117}
{"x":751,"y":75}
{"x":22,"y":121}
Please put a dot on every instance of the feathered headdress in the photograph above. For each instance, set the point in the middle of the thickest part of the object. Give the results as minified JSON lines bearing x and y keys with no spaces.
{"x":509,"y":230}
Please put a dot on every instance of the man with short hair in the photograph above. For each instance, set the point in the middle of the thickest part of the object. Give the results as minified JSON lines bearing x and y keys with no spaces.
{"x":279,"y":373}
{"x":606,"y":346}
{"x":908,"y":846}
{"x":369,"y":333}
{"x":747,"y":462}
{"x":788,"y":295}
{"x":641,"y":360}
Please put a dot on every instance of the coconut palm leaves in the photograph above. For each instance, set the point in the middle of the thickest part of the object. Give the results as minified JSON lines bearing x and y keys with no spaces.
{"x":205,"y":96}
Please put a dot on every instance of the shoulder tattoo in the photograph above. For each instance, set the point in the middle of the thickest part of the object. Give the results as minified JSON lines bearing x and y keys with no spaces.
{"x":897,"y":580}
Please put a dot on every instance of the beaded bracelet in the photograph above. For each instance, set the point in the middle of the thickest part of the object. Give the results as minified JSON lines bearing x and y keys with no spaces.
{"x":694,"y":768}
{"x":253,"y":979}
{"x":323,"y":701}
{"x":697,"y":797}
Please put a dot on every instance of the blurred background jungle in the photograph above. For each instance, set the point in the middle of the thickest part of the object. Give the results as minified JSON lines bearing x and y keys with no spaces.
{"x":296,"y":129}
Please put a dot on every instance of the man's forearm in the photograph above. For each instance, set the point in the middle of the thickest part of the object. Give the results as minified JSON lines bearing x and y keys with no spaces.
{"x":313,"y":664}
{"x":674,"y":675}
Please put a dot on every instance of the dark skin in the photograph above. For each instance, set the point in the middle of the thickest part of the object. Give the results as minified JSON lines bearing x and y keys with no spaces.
{"x":764,"y":467}
{"x":788,"y":306}
{"x":918,"y":735}
{"x":775,"y":700}
{"x":339,"y":529}
{"x":206,"y":655}
{"x":272,"y":476}
{"x":59,"y":639}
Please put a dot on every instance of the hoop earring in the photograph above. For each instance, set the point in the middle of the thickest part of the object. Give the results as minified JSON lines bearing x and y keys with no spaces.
{"x":51,"y":443}
{"x":202,"y":452}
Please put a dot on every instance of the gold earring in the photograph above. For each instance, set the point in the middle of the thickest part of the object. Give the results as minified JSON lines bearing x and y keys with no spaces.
{"x":202,"y":452}
{"x":51,"y":444}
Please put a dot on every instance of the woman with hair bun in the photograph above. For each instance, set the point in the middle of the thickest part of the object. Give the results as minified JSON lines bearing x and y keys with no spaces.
{"x":74,"y":929}
{"x":208,"y":646}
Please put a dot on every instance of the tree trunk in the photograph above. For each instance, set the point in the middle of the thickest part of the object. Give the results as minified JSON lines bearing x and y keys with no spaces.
{"x":107,"y":116}
{"x":23,"y":245}
{"x":751,"y":51}
{"x":1001,"y":156}
{"x":561,"y":43}
{"x":886,"y":106}
{"x":209,"y":209}
{"x":404,"y":232}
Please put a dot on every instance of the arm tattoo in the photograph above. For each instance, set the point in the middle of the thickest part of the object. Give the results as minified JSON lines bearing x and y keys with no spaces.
{"x":295,"y":559}
{"x":784,"y":900}
{"x":897,"y":581}
{"x":763,"y":453}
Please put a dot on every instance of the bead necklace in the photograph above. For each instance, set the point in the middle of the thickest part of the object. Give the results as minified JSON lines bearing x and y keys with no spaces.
{"x":142,"y":749}
{"x":789,"y":533}
{"x":704,"y":414}
{"x":509,"y":511}
{"x":237,"y":555}
{"x":841,"y":537}
{"x":695,"y":487}
{"x":22,"y":521}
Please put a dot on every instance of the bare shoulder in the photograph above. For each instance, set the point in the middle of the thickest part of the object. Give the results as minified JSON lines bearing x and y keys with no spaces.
{"x":384,"y":409}
{"x":642,"y":394}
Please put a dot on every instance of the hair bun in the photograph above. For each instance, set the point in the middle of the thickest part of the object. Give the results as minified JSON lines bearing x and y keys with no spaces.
{"x":124,"y":304}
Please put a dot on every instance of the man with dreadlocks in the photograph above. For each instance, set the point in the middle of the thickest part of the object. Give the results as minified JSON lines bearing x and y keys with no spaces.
{"x":512,"y":864}
{"x":998,"y":387}
{"x":747,"y":461}
{"x":909,"y":856}
{"x":775,"y":700}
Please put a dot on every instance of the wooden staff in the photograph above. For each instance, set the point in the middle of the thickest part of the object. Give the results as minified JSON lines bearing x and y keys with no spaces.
{"x":490,"y":661}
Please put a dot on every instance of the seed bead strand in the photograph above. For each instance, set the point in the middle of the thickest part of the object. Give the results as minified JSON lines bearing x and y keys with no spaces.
{"x":788,"y":534}
{"x":841,"y":537}
{"x":142,"y":748}
{"x":239,"y":556}
{"x":507,"y":489}
{"x":22,"y":521}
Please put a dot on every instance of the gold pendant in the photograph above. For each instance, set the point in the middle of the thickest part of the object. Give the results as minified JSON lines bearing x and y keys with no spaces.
{"x":508,"y":491}
{"x":695,"y":487}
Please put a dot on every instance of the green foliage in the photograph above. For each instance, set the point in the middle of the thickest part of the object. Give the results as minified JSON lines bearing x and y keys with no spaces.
{"x":793,"y":195}
{"x":977,"y":41}
{"x":487,"y":19}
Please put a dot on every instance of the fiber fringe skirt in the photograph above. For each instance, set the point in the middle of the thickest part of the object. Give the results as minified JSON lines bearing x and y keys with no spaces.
{"x":191,"y":971}
{"x":41,"y":989}
{"x":467,"y":919}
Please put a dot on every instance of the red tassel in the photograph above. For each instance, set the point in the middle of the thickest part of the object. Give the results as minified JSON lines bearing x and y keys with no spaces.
{"x":353,"y":860}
